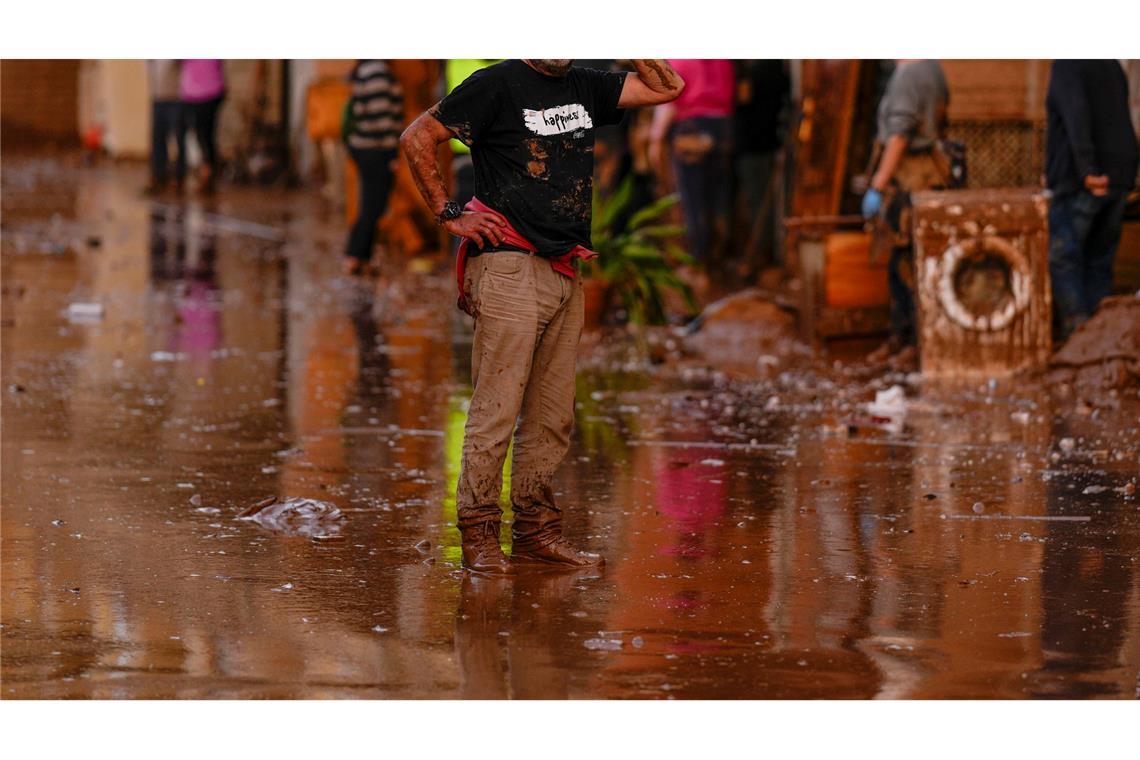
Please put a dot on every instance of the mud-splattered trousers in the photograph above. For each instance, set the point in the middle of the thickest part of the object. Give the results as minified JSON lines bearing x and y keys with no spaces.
{"x":528,"y":320}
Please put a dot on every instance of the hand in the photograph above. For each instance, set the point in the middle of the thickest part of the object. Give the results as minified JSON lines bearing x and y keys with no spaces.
{"x":872,"y":203}
{"x":1097,"y":184}
{"x":479,"y":227}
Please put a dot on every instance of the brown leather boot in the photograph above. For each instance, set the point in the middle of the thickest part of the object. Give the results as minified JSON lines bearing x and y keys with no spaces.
{"x":481,"y":550}
{"x":537,"y":539}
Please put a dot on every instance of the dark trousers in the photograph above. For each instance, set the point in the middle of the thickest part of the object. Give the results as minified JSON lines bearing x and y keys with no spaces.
{"x":705,"y":184}
{"x":374,"y":167}
{"x":900,"y":281}
{"x":204,"y":117}
{"x":754,"y":178}
{"x":1084,"y":232}
{"x":167,"y":119}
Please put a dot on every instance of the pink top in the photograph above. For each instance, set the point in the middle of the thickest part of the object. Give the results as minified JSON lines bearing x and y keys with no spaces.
{"x":710,"y":87}
{"x":202,"y":79}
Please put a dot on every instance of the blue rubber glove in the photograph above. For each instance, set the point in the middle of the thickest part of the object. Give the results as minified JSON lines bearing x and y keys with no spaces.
{"x":872,"y":203}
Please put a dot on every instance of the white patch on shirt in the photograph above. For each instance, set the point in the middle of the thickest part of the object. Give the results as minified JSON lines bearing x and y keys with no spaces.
{"x":557,"y":120}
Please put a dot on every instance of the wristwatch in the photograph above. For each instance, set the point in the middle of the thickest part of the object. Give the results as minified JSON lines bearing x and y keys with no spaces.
{"x":451,"y":210}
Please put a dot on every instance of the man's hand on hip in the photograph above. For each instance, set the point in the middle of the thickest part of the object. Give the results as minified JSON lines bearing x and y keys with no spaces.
{"x":479,"y":227}
{"x":1097,"y":184}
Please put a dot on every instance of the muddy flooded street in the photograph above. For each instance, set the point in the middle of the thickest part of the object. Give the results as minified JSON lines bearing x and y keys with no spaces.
{"x":176,"y":371}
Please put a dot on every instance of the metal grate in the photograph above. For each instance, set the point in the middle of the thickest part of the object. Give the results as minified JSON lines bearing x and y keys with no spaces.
{"x":1001,"y":153}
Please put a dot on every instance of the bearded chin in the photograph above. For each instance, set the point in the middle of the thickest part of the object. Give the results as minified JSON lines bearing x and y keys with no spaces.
{"x":555,"y":66}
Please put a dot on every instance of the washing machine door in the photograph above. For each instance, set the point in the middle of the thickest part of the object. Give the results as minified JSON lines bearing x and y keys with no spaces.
{"x":983,"y":283}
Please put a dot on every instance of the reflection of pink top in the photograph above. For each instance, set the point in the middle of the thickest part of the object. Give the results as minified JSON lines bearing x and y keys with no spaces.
{"x":710,"y":87}
{"x":202,"y":80}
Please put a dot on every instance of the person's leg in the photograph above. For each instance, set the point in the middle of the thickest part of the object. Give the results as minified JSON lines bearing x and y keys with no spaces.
{"x":180,"y":124}
{"x":689,"y":174}
{"x":159,"y":132}
{"x":500,"y":288}
{"x":375,"y":181}
{"x":900,"y":280}
{"x":1070,"y":217}
{"x":547,"y":418}
{"x":718,"y":188}
{"x":1100,"y":251}
{"x":213,"y":108}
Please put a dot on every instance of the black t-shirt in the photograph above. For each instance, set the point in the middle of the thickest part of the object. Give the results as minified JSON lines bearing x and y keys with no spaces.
{"x":532,"y":143}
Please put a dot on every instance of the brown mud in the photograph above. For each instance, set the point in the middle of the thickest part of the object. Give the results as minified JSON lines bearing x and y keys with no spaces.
{"x":766,"y":537}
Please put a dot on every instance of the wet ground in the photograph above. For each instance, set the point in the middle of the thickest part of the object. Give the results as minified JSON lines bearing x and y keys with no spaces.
{"x":767,"y":538}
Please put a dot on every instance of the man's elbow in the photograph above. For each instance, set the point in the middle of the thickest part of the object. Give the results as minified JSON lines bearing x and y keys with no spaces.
{"x":670,"y":95}
{"x":415,"y":141}
{"x":408,"y":138}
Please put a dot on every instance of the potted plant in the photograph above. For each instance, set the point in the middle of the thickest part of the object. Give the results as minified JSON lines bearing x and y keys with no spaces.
{"x":636,"y":257}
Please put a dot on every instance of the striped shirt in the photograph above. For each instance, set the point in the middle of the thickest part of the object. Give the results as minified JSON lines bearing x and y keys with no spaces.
{"x":377,"y":107}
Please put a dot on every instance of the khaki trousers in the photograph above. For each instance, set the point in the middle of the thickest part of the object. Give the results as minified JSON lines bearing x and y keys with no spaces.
{"x":528,"y":320}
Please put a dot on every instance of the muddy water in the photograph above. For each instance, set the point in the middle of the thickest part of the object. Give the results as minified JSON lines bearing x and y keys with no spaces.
{"x":765,"y":539}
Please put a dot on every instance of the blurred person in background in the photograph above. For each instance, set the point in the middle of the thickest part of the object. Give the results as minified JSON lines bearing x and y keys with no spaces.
{"x":202,"y":89}
{"x":1090,"y":166}
{"x":167,"y":120}
{"x":374,"y":120}
{"x":907,"y":159}
{"x":697,"y":130}
{"x":763,"y":90}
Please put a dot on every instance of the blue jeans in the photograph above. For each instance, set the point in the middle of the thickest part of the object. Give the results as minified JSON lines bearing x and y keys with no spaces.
{"x":168,"y":118}
{"x":705,"y":184}
{"x":1084,"y":232}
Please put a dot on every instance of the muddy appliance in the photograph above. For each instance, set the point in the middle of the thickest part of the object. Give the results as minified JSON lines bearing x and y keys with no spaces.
{"x":982,"y":281}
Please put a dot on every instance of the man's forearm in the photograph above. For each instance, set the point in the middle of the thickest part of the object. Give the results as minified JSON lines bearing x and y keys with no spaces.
{"x":892,"y":155}
{"x":657,"y":75}
{"x":419,"y":148}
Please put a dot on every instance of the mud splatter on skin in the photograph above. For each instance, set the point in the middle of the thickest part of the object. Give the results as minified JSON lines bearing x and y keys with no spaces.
{"x":665,"y":74}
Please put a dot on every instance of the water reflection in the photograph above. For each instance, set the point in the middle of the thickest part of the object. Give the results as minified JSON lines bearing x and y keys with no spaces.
{"x":752,"y":552}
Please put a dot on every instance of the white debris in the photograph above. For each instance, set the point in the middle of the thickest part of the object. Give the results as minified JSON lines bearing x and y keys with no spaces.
{"x":889,"y":403}
{"x":84,"y":312}
{"x":605,"y":645}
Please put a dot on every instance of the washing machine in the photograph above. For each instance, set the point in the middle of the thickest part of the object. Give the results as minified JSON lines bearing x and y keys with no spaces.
{"x":982,"y":281}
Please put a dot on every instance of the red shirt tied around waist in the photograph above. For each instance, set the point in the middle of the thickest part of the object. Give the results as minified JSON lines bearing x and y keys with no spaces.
{"x":512,"y":238}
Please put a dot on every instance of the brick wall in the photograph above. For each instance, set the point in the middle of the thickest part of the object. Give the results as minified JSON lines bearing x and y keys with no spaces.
{"x":39,"y":101}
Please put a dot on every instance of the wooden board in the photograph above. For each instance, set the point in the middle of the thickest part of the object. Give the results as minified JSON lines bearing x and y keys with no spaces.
{"x":828,"y":102}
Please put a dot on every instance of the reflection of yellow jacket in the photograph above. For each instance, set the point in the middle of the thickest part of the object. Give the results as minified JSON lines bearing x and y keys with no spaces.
{"x":458,"y":69}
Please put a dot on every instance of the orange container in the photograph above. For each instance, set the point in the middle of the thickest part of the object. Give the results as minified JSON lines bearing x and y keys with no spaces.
{"x":851,"y":278}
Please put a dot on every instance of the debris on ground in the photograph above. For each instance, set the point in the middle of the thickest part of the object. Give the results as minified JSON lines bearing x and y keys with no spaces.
{"x":296,"y":516}
{"x":744,"y":331}
{"x":80,"y":312}
{"x":1104,"y":352}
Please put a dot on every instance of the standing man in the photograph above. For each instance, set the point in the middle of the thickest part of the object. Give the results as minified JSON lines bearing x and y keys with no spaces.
{"x":1090,"y":165}
{"x":911,"y":122}
{"x":167,"y":121}
{"x":530,"y":126}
